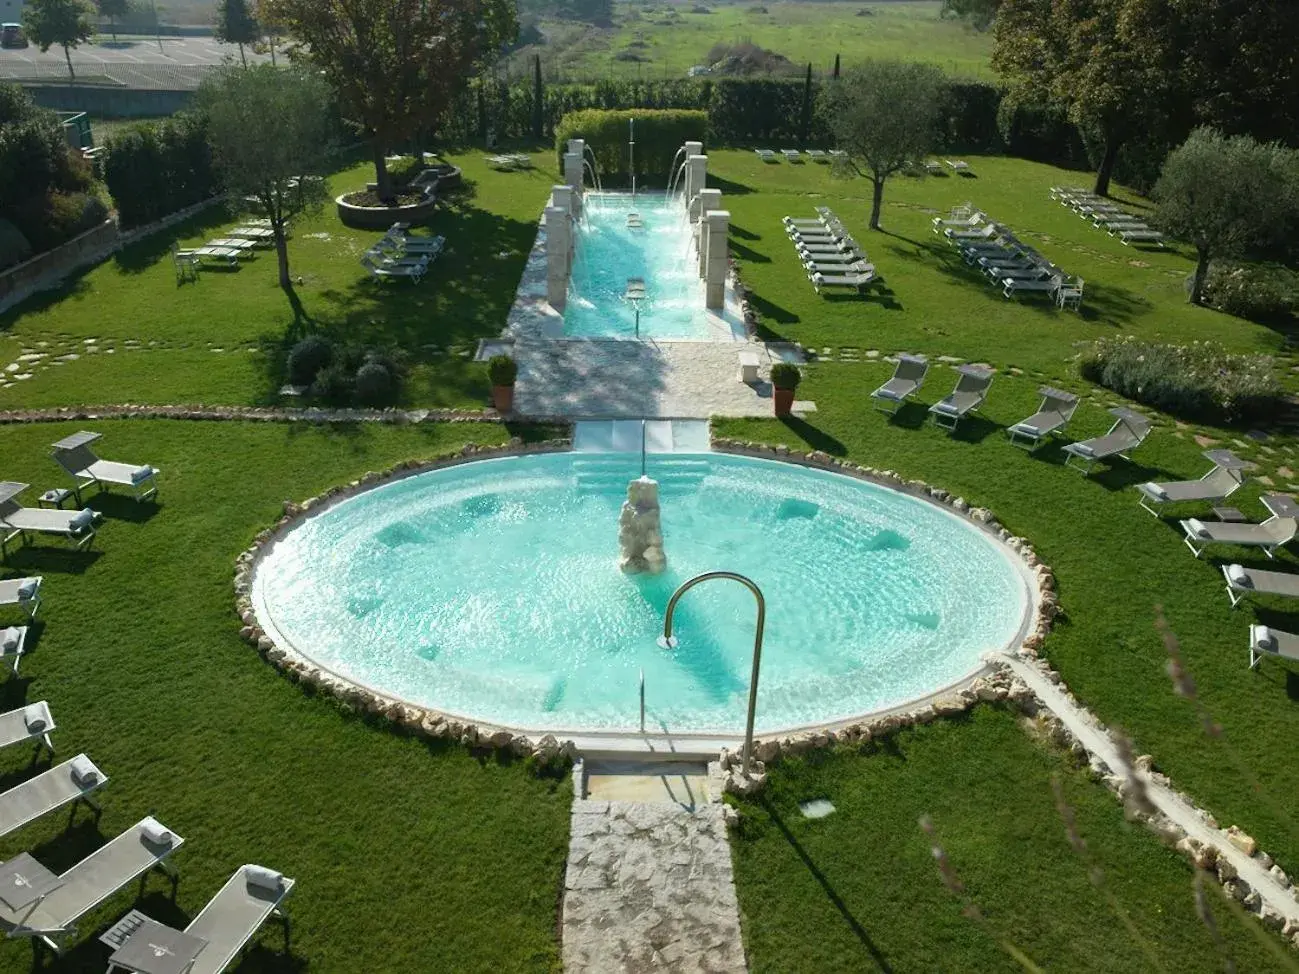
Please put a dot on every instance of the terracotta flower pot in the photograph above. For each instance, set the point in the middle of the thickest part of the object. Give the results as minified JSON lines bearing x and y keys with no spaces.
{"x":503,"y":398}
{"x":784,"y":401}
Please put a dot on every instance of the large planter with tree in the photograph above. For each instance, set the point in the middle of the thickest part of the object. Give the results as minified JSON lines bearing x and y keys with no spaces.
{"x":501,"y":372}
{"x":785,"y":378}
{"x":375,"y":215}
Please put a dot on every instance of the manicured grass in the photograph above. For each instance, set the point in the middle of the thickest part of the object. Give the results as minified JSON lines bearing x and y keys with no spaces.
{"x":221,"y":340}
{"x":860,"y":891}
{"x":409,"y":857}
{"x":802,"y":32}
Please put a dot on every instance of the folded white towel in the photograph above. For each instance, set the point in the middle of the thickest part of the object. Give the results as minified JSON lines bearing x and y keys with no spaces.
{"x":140,"y":474}
{"x":156,"y":833}
{"x":263,"y":878}
{"x":1197,"y":528}
{"x":1154,"y":490}
{"x":84,"y":772}
{"x":82,"y":520}
{"x":28,"y":588}
{"x":35,"y":720}
{"x":1239,"y":576}
{"x":10,"y":638}
{"x":1263,"y":639}
{"x":1083,"y":449}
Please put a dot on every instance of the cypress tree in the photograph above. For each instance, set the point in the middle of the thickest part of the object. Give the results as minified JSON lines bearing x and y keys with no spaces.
{"x":805,"y":117}
{"x":538,"y":102}
{"x":836,"y":67}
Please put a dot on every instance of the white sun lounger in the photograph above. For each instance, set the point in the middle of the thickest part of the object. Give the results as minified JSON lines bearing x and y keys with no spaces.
{"x":958,"y":165}
{"x":791,"y":155}
{"x":811,"y":223}
{"x":412,"y":272}
{"x":1276,"y":531}
{"x":1266,"y":641}
{"x":16,"y":521}
{"x":1055,"y":411}
{"x":13,"y":642}
{"x":817,"y":155}
{"x":232,"y":918}
{"x":838,"y":258}
{"x":227,"y":255}
{"x":1014,"y":285}
{"x":33,"y":722}
{"x":985,"y":232}
{"x":844,"y":245}
{"x":1127,"y":433}
{"x":856,"y":280}
{"x":22,"y":592}
{"x":1141,"y":236}
{"x":52,"y":916}
{"x":766,"y":155}
{"x":262,"y":234}
{"x":970,"y":392}
{"x":382,"y":259}
{"x":833,"y":268}
{"x":74,"y":455}
{"x":73,"y":781}
{"x":1242,"y":581}
{"x":908,"y":377}
{"x":1222,"y":480}
{"x":974,"y":220}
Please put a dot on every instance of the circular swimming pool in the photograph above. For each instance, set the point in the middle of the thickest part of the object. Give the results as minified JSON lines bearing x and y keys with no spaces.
{"x":491,"y":590}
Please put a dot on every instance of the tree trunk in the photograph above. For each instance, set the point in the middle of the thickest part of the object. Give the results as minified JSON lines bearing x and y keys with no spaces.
{"x":112,"y":25}
{"x":242,"y":56}
{"x":270,"y":40}
{"x":382,"y":181}
{"x":282,"y":254}
{"x":1201,"y":271}
{"x":877,"y":202}
{"x":1112,"y":143}
{"x":67,"y":56}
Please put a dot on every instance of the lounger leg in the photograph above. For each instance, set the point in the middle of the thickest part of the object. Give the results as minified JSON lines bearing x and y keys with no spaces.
{"x":1253,"y":658}
{"x":1145,"y":502}
{"x":284,"y":918}
{"x":1231,"y":594}
{"x":1194,"y":550}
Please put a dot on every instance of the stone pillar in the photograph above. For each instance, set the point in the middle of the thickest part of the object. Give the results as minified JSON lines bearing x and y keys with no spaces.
{"x":705,"y":200}
{"x":562,"y":196}
{"x":640,"y":529}
{"x":573,"y":178}
{"x":696,"y":167}
{"x":558,"y":248}
{"x":715,"y":247}
{"x":694,"y":149}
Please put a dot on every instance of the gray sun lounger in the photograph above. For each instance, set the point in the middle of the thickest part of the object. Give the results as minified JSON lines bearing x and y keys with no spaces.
{"x":908,"y":377}
{"x":839,"y":257}
{"x":231,"y":918}
{"x":74,"y":455}
{"x":1127,"y":433}
{"x":1013,"y":285}
{"x":856,"y":280}
{"x":16,"y":521}
{"x":34,"y":722}
{"x":1055,"y":411}
{"x":1140,"y":236}
{"x":1242,"y":581}
{"x":1276,"y":532}
{"x":833,"y":268}
{"x":985,"y":232}
{"x":1227,"y":474}
{"x":970,"y":392}
{"x":73,"y":781}
{"x":847,"y":245}
{"x":1266,"y":641}
{"x":413,"y":272}
{"x":52,"y":916}
{"x":22,"y":592}
{"x":405,"y":243}
{"x":13,"y":643}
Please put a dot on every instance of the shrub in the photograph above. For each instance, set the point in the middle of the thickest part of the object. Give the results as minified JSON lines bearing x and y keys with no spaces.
{"x":1258,"y":292}
{"x":1200,"y":381}
{"x":785,"y":375}
{"x":14,"y":247}
{"x":659,"y":134}
{"x":333,"y":385}
{"x":307,"y":358}
{"x":156,"y":168}
{"x":374,"y":385}
{"x":502,"y":370}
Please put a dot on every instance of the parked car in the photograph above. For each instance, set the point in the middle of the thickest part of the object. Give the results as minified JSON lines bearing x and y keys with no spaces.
{"x":11,"y":35}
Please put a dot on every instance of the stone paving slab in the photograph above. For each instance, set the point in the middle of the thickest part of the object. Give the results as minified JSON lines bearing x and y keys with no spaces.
{"x":649,"y":888}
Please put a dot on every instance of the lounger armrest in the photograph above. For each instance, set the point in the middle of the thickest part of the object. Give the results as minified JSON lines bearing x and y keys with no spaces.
{"x":1238,"y":576}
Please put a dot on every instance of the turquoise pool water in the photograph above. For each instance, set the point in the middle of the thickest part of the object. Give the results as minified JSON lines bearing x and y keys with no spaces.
{"x":492,"y":590}
{"x":608,"y":252}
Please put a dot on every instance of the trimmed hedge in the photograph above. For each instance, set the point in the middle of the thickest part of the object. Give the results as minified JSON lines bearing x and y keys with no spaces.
{"x":659,"y":134}
{"x":156,"y":168}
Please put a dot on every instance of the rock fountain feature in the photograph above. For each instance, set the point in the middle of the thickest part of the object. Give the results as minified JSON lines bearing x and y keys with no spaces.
{"x":640,"y":529}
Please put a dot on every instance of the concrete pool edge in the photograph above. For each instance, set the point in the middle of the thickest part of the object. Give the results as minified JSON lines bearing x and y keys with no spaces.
{"x":982,"y":683}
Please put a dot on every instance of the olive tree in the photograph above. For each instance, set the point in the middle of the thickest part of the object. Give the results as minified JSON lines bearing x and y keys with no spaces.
{"x":1226,"y":197}
{"x":269,"y":129}
{"x":67,"y":23}
{"x":885,"y":115}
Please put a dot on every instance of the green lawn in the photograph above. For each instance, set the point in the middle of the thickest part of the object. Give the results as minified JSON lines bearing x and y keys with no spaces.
{"x":859,"y":890}
{"x":413,"y":857}
{"x":671,"y":39}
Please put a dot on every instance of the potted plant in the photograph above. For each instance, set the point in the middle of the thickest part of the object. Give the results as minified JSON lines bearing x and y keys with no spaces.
{"x":784,"y":380}
{"x":502,"y":371}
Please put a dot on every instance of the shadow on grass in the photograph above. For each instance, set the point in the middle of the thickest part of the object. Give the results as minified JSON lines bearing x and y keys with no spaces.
{"x":727,"y":186}
{"x":72,"y":286}
{"x":772,"y":312}
{"x":46,"y":558}
{"x":861,"y":933}
{"x":748,"y":253}
{"x":143,"y":254}
{"x":910,"y":415}
{"x":122,"y":508}
{"x":816,"y":438}
{"x":974,"y":429}
{"x":743,"y":234}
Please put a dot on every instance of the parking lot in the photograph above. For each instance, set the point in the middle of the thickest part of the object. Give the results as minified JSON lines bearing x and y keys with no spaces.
{"x":138,"y":62}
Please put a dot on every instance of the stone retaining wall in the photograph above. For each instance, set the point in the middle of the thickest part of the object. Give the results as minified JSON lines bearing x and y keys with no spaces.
{"x":243,"y":414}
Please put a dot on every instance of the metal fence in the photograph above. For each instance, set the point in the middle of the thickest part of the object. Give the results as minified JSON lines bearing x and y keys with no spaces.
{"x":166,"y":77}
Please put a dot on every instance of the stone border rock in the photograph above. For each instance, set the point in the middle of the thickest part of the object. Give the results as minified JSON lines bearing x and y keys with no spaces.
{"x":418,"y":721}
{"x":265,"y":414}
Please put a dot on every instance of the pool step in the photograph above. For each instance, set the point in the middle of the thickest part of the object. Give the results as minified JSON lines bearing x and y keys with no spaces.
{"x":624,"y":436}
{"x":673,"y":781}
{"x":610,"y":472}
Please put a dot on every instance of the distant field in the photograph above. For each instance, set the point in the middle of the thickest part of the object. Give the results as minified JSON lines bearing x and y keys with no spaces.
{"x":670,"y":38}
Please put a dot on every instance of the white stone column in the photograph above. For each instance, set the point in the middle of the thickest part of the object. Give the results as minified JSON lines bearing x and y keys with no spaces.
{"x":701,"y":242}
{"x":707,"y":199}
{"x":694,"y":149}
{"x":558,"y":244}
{"x":561,"y":195}
{"x":719,"y":222}
{"x":696,"y":168}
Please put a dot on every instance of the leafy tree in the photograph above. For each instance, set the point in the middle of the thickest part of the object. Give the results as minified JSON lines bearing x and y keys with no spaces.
{"x":269,"y":130}
{"x":235,"y":24}
{"x":885,"y":115}
{"x":271,"y":29}
{"x":67,"y":23}
{"x":1227,"y":197}
{"x":1111,"y":63}
{"x":978,"y":13}
{"x":397,"y":64}
{"x":114,"y":10}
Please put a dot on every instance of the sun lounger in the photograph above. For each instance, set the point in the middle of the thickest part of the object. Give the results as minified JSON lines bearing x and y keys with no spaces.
{"x":1127,"y":433}
{"x":33,"y":722}
{"x":225,"y":255}
{"x":263,"y":234}
{"x":985,"y":232}
{"x":74,"y":455}
{"x":13,"y":642}
{"x":1141,"y":236}
{"x":1222,"y":480}
{"x":844,"y":245}
{"x":932,"y":167}
{"x":766,"y":155}
{"x":1070,"y":295}
{"x":16,"y":521}
{"x":908,"y":377}
{"x":1055,"y":411}
{"x":22,"y":592}
{"x":245,"y":247}
{"x":817,"y":155}
{"x":823,"y":234}
{"x":51,"y":916}
{"x":832,"y":269}
{"x":999,"y":270}
{"x":856,"y":280}
{"x":412,"y":272}
{"x":1266,"y":641}
{"x":970,"y":392}
{"x":958,"y":165}
{"x":810,"y":223}
{"x":73,"y":781}
{"x":383,"y":259}
{"x":791,"y":155}
{"x":838,"y":257}
{"x":405,"y":243}
{"x":1242,"y":581}
{"x":232,"y":918}
{"x":970,"y":222}
{"x":1276,"y":531}
{"x":1012,"y":286}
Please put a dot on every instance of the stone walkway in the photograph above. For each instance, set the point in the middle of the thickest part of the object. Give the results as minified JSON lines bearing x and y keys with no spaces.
{"x":649,"y":888}
{"x":631,"y":380}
